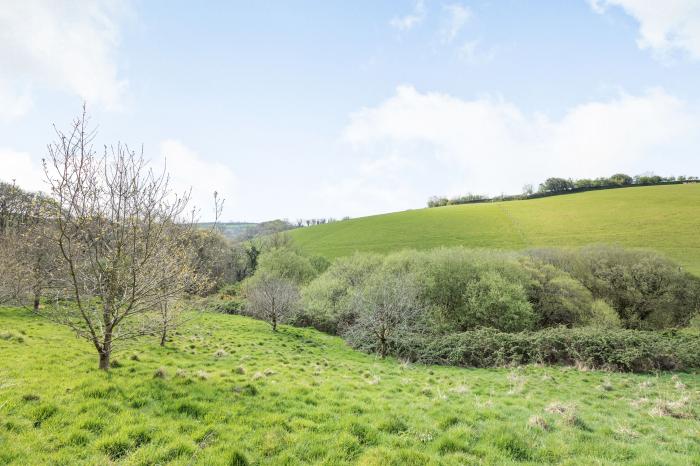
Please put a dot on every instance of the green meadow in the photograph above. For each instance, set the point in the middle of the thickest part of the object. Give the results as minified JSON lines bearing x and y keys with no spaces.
{"x":663,"y":218}
{"x":228,"y":391}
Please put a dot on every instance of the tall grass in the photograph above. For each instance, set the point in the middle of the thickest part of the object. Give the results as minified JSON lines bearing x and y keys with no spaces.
{"x":229,"y":391}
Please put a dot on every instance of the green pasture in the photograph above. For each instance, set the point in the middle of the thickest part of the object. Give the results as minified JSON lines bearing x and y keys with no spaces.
{"x":228,"y":391}
{"x":663,"y":218}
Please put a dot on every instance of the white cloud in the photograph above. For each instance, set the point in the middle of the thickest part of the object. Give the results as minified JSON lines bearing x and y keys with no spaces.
{"x":188,"y":170}
{"x":665,"y":26}
{"x":457,"y":16}
{"x":20,"y":168}
{"x":409,"y":21}
{"x":67,"y":45}
{"x":491,"y":146}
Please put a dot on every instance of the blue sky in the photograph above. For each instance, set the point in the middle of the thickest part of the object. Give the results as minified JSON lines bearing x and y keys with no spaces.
{"x":307,"y":109}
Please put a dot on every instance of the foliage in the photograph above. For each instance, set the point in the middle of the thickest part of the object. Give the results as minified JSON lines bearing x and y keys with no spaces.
{"x":646,"y":289}
{"x":594,"y":348}
{"x":289,"y":264}
{"x":327,"y":302}
{"x":603,"y":316}
{"x":222,"y":261}
{"x":558,"y":298}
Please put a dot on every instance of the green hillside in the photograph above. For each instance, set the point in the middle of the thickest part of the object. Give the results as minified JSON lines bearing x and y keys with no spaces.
{"x":664,"y":218}
{"x":228,"y":391}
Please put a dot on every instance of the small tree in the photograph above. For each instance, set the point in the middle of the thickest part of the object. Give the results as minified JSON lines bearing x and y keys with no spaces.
{"x":387,"y":310}
{"x":121,"y":236}
{"x":271,"y":298}
{"x":169,"y":315}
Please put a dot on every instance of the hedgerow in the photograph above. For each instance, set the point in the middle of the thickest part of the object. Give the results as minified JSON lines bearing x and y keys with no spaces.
{"x":593,"y":348}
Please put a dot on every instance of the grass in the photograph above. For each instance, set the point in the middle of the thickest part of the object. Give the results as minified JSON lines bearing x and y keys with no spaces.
{"x":228,"y":391}
{"x":664,"y":218}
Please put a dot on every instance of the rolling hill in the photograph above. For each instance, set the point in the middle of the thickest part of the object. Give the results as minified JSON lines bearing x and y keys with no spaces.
{"x":663,"y":218}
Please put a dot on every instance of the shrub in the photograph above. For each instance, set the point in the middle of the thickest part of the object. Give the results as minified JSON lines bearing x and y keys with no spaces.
{"x":492,"y":301}
{"x":603,"y":316}
{"x":470,"y":288}
{"x":557,"y":298}
{"x":614,"y":349}
{"x":647,"y":290}
{"x":286,"y":263}
{"x":326,"y":301}
{"x":233,"y":306}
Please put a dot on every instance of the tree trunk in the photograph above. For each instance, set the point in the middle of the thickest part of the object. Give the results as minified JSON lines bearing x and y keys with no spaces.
{"x":274,"y":324}
{"x":104,"y":360}
{"x":163,"y":336}
{"x":106,"y":350}
{"x":36,"y":302}
{"x":382,"y":348}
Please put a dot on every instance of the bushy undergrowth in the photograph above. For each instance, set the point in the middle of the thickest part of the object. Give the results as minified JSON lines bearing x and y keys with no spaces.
{"x":595,"y":306}
{"x":591,"y":348}
{"x":460,"y":289}
{"x":600,"y":306}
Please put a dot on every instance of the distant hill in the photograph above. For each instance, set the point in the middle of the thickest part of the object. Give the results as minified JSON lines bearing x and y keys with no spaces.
{"x":232,"y":230}
{"x":241,"y":231}
{"x":664,"y":218}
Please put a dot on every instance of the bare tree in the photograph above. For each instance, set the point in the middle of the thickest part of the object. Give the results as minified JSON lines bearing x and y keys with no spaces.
{"x":120,"y":232}
{"x":271,"y":298}
{"x":387,"y":309}
{"x":169,"y":315}
{"x":27,"y":259}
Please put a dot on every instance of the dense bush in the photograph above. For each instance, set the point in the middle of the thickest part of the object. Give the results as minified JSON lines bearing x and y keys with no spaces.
{"x":557,"y":297}
{"x":616,"y":349}
{"x":488,"y":308}
{"x":647,"y":290}
{"x":327,"y":301}
{"x":469,"y":288}
{"x":288,"y":264}
{"x":460,"y":289}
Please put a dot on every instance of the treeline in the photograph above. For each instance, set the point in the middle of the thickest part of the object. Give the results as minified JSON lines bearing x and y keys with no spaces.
{"x":601,"y":306}
{"x":556,"y":186}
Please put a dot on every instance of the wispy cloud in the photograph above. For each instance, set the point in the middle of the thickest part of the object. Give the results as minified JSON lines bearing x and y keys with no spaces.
{"x":409,"y":21}
{"x":665,"y":27}
{"x":456,"y":17}
{"x":473,"y":52}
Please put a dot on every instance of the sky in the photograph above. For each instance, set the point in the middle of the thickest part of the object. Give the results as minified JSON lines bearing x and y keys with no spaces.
{"x":306,"y":109}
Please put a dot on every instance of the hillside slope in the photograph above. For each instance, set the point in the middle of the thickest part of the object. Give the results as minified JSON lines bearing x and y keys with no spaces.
{"x":664,"y":218}
{"x":228,"y":391}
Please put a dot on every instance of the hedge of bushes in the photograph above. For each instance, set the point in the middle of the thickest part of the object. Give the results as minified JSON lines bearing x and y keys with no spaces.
{"x":616,"y":349}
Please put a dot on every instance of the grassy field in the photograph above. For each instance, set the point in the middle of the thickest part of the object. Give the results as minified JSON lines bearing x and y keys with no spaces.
{"x":229,"y":391}
{"x":664,"y":218}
